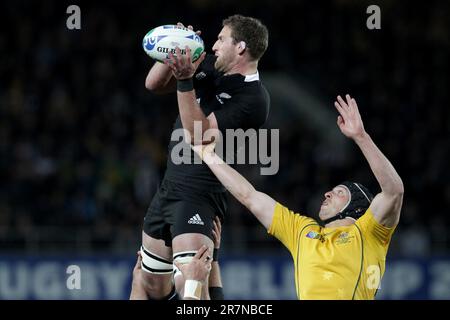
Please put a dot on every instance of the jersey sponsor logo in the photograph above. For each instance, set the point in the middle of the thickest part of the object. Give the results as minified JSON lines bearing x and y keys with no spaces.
{"x":196,"y":220}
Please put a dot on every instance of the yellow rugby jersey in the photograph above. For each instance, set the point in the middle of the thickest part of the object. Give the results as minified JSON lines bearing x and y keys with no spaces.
{"x":333,"y":263}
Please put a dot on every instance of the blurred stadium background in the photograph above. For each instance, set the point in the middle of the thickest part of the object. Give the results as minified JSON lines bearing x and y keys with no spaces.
{"x":83,"y":144}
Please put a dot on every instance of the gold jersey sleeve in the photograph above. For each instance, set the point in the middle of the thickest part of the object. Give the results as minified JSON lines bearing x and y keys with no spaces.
{"x":286,"y":226}
{"x":375,"y":232}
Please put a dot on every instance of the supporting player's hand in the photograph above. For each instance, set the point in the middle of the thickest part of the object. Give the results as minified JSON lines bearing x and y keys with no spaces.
{"x":349,"y":119}
{"x":199,"y":267}
{"x":137,"y":284}
{"x":217,"y":232}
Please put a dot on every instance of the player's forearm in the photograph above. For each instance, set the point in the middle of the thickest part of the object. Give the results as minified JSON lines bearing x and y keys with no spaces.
{"x":190,"y":114}
{"x":234,"y":182}
{"x":385,"y":173}
{"x":158,"y":78}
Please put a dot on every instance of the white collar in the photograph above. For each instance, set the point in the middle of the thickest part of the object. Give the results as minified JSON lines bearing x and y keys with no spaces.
{"x":252,"y":77}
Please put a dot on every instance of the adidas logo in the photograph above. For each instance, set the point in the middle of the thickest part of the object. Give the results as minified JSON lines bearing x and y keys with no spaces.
{"x":196,"y":220}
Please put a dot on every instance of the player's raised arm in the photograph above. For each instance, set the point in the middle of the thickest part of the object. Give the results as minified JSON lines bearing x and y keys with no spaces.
{"x":260,"y":204}
{"x":387,"y":204}
{"x":159,"y":79}
{"x":183,"y":69}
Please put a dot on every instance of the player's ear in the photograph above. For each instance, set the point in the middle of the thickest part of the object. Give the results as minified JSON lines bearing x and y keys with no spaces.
{"x":242,"y":46}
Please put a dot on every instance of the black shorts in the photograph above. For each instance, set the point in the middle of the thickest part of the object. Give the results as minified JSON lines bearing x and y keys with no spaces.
{"x":176,"y":209}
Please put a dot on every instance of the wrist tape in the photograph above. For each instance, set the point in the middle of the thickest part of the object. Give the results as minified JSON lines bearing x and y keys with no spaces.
{"x":193,"y":289}
{"x":185,"y":85}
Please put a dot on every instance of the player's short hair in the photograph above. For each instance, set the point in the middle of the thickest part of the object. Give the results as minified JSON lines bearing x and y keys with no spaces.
{"x":250,"y":30}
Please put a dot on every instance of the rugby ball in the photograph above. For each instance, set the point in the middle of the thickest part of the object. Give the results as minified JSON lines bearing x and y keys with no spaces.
{"x":161,"y":41}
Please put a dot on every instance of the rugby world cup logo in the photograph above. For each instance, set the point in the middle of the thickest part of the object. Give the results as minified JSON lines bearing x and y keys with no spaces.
{"x":195,"y":38}
{"x":150,"y":42}
{"x":198,"y":51}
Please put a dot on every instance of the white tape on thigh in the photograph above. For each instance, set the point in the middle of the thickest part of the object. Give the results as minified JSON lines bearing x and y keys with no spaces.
{"x":183,"y":257}
{"x":155,"y":264}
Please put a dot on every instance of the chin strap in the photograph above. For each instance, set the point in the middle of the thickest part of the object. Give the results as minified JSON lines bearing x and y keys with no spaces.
{"x":339,"y":216}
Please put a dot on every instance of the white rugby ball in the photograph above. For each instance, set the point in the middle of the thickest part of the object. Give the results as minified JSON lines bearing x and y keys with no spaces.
{"x":160,"y":41}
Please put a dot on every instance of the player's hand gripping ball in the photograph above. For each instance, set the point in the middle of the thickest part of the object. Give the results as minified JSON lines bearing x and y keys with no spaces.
{"x":161,"y":41}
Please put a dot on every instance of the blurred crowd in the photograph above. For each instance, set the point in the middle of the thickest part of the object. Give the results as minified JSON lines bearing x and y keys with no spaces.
{"x":83,"y":143}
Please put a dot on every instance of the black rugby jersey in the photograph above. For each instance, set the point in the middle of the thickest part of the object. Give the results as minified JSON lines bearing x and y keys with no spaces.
{"x":237,"y":101}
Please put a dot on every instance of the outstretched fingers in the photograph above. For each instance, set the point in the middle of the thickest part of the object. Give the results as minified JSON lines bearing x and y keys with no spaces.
{"x":217,"y":230}
{"x":342,"y":103}
{"x":349,"y":100}
{"x":188,"y":53}
{"x":218,"y":224}
{"x":340,"y":109}
{"x":351,"y":104}
{"x":340,"y":121}
{"x":138,"y":264}
{"x":355,"y":105}
{"x":205,"y":255}
{"x":200,"y":60}
{"x":201,"y":252}
{"x":171,"y":61}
